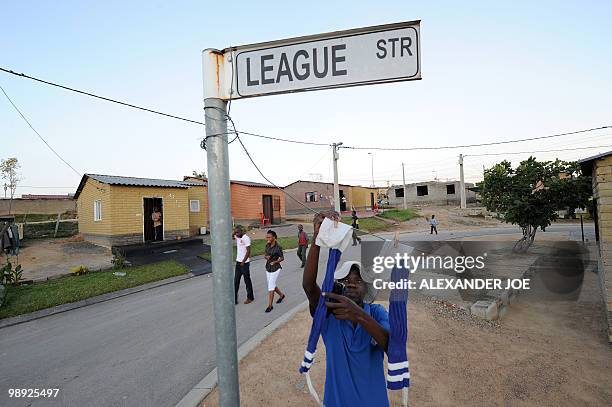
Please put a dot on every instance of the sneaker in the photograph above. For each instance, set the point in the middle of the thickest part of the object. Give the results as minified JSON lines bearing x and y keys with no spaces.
{"x":248,"y":301}
{"x":280,"y":299}
{"x":269,"y":309}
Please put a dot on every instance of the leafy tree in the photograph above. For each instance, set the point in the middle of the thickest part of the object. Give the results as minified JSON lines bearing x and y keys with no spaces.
{"x":199,"y":174}
{"x":9,"y":168}
{"x":530,"y":195}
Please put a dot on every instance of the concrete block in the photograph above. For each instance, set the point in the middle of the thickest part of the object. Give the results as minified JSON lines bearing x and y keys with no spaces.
{"x":485,"y":309}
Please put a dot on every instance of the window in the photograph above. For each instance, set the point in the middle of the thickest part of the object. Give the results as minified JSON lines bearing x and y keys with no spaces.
{"x":276,"y":203}
{"x":194,"y":205}
{"x":422,"y":190}
{"x":399,"y":192}
{"x":97,"y":210}
{"x":450,"y":189}
{"x":311,"y":197}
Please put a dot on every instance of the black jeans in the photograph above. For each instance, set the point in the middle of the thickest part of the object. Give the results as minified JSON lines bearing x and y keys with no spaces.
{"x":301,"y":253}
{"x":159,"y":233}
{"x":246,"y":272}
{"x":433,"y":229}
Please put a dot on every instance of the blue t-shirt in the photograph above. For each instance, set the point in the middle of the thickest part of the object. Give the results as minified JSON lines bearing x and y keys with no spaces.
{"x":354,"y":371}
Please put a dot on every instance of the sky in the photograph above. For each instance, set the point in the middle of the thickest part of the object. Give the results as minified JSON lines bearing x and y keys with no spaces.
{"x":492,"y":71}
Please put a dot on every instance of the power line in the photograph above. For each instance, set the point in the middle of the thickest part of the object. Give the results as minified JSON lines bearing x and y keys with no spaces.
{"x":312,"y":143}
{"x":476,"y":145}
{"x":540,"y":151}
{"x":38,"y":134}
{"x":101,"y":97}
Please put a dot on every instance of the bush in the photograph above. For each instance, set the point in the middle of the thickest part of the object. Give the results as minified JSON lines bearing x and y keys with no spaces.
{"x":79,"y":270}
{"x":119,"y":261}
{"x":10,"y":275}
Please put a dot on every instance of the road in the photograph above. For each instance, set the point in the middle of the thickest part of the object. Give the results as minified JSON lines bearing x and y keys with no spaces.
{"x":152,"y":347}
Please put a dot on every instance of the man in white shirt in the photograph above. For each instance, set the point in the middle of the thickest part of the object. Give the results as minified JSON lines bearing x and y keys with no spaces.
{"x":243,"y":256}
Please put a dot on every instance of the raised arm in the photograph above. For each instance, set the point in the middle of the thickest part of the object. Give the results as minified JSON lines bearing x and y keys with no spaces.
{"x":309,"y":279}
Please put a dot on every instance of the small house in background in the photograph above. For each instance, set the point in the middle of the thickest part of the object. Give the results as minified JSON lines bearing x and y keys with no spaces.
{"x":252,"y":202}
{"x":430,"y":193}
{"x":116,"y":211}
{"x":315,"y":195}
{"x":599,"y":167}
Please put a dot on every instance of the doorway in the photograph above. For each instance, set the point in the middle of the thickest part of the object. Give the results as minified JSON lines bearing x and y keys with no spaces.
{"x":149,"y":204}
{"x":372,"y":200}
{"x":342,"y":201}
{"x":268,"y":208}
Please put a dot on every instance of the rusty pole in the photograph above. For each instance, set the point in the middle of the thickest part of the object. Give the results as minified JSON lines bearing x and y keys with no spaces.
{"x":215,"y":108}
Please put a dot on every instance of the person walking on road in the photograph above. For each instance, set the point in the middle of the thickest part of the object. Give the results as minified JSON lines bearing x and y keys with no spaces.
{"x":434,"y":223}
{"x":274,"y":257}
{"x":243,"y":257}
{"x":302,"y":245}
{"x":355,"y":225}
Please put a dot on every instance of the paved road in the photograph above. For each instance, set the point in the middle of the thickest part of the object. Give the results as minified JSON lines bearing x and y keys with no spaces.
{"x":148,"y":348}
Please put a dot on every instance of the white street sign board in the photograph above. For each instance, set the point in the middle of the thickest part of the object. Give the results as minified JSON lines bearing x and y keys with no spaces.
{"x":362,"y":56}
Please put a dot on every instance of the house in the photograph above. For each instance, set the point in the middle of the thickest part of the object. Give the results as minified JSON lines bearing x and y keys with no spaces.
{"x":318,"y":196}
{"x":252,"y":201}
{"x":431,"y":192}
{"x":599,"y":167}
{"x":115,"y":211}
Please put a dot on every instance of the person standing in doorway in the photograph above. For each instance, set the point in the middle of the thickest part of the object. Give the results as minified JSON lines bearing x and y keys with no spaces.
{"x":434,"y":223}
{"x":274,"y":257}
{"x":156,"y":216}
{"x":302,"y":245}
{"x":355,"y":225}
{"x":243,"y":257}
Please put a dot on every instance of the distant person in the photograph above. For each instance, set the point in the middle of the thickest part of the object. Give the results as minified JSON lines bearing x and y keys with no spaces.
{"x":243,"y":257}
{"x":302,"y":245}
{"x":156,"y":216}
{"x":434,"y":223}
{"x":355,"y":225}
{"x":274,"y":257}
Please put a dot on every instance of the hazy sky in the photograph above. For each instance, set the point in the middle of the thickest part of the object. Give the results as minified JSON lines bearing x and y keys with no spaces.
{"x":491,"y":71}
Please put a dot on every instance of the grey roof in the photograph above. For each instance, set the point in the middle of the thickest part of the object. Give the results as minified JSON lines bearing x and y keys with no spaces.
{"x":134,"y":181}
{"x":595,"y":157}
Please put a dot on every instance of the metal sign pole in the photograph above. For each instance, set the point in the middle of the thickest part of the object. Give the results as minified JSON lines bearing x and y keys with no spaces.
{"x":221,"y":232}
{"x":404,"y":187}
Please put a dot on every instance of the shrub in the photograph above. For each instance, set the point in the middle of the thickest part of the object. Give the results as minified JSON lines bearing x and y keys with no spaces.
{"x":79,"y":270}
{"x":119,"y":261}
{"x":10,"y":275}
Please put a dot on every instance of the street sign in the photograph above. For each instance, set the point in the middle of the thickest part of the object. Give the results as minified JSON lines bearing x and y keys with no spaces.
{"x":362,"y":56}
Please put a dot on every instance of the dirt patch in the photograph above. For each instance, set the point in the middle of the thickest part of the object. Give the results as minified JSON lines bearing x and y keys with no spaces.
{"x":542,"y":353}
{"x":46,"y":258}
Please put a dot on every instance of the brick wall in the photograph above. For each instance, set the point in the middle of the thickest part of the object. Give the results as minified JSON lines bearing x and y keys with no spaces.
{"x":198,"y":219}
{"x":45,"y":206}
{"x":300,"y":188}
{"x":92,"y":191}
{"x":247,"y":203}
{"x":127,"y":209}
{"x":436,"y":194}
{"x":602,"y":191}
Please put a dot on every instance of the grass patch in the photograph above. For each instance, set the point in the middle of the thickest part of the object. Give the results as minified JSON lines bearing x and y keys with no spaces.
{"x":258,"y":247}
{"x":400,"y":215}
{"x":37,"y":296}
{"x":371,"y":224}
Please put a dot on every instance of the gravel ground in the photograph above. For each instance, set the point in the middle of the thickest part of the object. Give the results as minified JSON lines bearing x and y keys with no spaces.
{"x":542,"y":353}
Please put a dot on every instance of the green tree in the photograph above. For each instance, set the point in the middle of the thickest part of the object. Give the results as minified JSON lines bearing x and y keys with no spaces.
{"x":530,"y":195}
{"x":9,"y":169}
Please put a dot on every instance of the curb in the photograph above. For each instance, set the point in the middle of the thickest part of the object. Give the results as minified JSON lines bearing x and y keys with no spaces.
{"x":209,"y":382}
{"x":20,"y":319}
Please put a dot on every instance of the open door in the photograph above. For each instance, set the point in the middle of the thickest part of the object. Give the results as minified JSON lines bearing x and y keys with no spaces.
{"x":372,"y":200}
{"x":267,"y":207}
{"x":149,"y":204}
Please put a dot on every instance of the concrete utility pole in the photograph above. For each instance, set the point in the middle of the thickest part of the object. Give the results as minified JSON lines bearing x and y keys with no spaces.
{"x":461,"y":183}
{"x":221,"y":230}
{"x":404,"y":187}
{"x":372,"y":155}
{"x":335,"y":147}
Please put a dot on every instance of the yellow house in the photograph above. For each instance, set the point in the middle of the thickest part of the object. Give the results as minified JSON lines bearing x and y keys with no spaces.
{"x":363,"y":197}
{"x":115,"y":211}
{"x":599,"y":167}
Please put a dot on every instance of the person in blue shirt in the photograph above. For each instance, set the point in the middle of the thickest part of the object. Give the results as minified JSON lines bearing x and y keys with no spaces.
{"x":355,"y":334}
